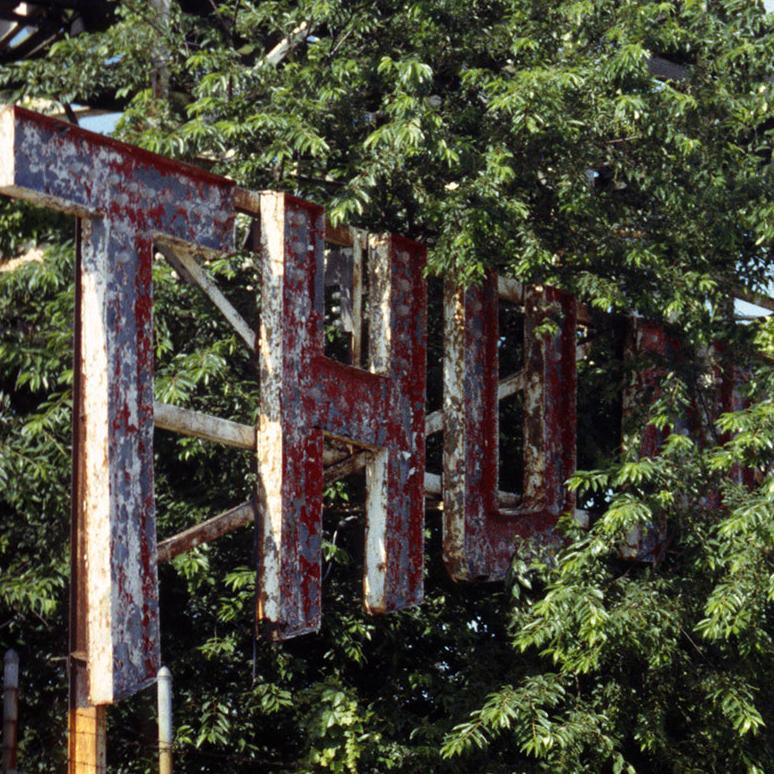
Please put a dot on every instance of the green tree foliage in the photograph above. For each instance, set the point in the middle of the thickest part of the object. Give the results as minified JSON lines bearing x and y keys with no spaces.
{"x":528,"y":136}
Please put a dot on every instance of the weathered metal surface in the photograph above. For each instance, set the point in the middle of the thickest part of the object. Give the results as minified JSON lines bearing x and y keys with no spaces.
{"x":731,"y":383}
{"x":188,"y":267}
{"x":505,"y":388}
{"x":86,"y":726}
{"x":244,"y":514}
{"x":479,"y":535}
{"x":304,"y":394}
{"x":228,"y":521}
{"x":199,"y":425}
{"x":166,"y":731}
{"x":126,"y":198}
{"x":550,"y":405}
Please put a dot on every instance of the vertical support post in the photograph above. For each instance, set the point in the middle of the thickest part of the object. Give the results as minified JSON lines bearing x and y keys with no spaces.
{"x":160,"y":74}
{"x":10,"y":710}
{"x":358,"y":238}
{"x":550,"y":403}
{"x":87,"y":741}
{"x":87,"y":726}
{"x":166,"y":736}
{"x":649,"y":341}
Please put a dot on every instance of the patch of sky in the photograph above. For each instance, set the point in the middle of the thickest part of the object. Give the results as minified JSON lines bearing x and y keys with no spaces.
{"x":104,"y":123}
{"x":746,"y":310}
{"x":21,"y":36}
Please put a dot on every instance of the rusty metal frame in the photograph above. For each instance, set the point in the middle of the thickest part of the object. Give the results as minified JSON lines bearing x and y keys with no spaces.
{"x":126,"y":200}
{"x":305,"y":395}
{"x":479,"y":534}
{"x":129,"y":203}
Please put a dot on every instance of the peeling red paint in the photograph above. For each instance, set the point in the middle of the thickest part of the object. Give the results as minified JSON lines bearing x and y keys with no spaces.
{"x":128,"y":200}
{"x":305,"y":394}
{"x":110,"y":186}
{"x":479,"y":536}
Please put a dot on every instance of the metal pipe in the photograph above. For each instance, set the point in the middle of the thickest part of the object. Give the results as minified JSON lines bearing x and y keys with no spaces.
{"x":164,"y":688}
{"x":10,"y":710}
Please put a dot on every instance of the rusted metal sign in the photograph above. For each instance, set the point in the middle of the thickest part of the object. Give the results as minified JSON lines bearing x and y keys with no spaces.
{"x":305,"y":395}
{"x":131,"y":202}
{"x":479,"y":535}
{"x":126,"y":199}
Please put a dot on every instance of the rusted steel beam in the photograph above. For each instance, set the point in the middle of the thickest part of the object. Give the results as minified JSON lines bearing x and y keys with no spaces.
{"x":510,"y":385}
{"x":126,"y":198}
{"x":479,"y":536}
{"x":247,"y":201}
{"x":346,"y":467}
{"x":244,"y":514}
{"x":207,"y":531}
{"x":381,"y":410}
{"x":185,"y":263}
{"x":433,"y":424}
{"x":337,"y":464}
{"x":507,"y":387}
{"x":199,"y":425}
{"x":434,"y":488}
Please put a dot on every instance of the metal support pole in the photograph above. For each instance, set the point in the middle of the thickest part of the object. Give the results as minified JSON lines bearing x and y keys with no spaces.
{"x":164,"y":687}
{"x":10,"y":710}
{"x":160,"y":75}
{"x":87,"y":725}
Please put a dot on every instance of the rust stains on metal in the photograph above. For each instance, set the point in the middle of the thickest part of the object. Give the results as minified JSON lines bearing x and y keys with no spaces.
{"x":649,"y":342}
{"x":126,"y":198}
{"x":479,"y":534}
{"x":195,"y":423}
{"x":228,"y":521}
{"x":305,"y":395}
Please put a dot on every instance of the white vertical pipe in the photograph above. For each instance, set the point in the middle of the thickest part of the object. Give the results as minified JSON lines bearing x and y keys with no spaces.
{"x":164,"y":687}
{"x":10,"y":710}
